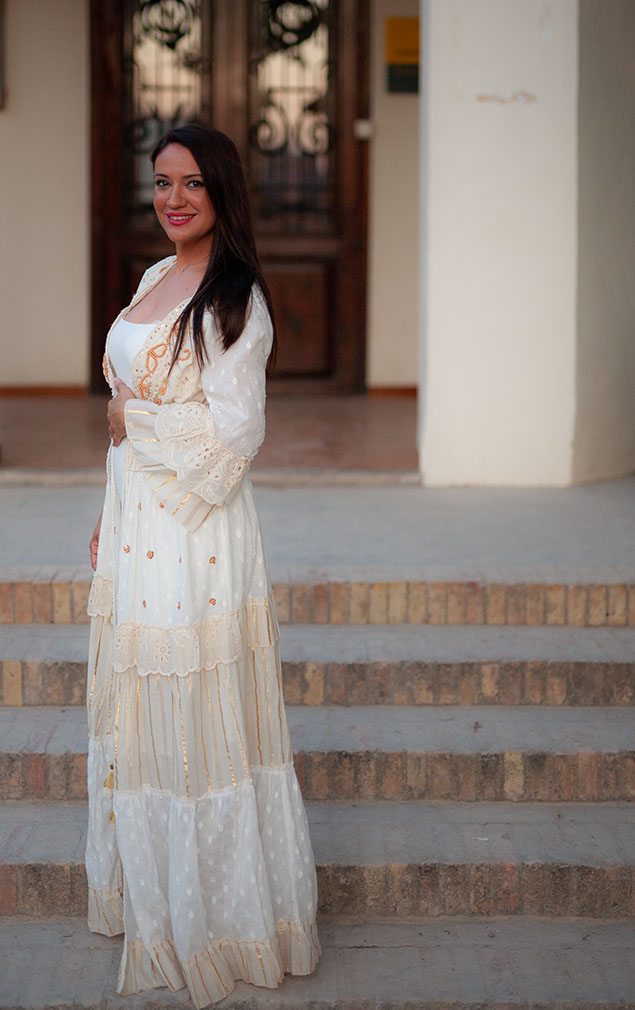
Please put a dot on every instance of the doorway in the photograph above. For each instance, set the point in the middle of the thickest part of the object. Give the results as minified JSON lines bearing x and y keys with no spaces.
{"x":287,"y":81}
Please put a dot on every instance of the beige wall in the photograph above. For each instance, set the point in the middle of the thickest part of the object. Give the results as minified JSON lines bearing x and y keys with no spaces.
{"x":498,"y":279}
{"x":44,"y":181}
{"x":604,"y":440}
{"x":393,"y":328}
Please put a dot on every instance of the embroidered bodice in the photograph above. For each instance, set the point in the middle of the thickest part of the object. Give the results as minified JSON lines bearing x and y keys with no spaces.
{"x":194,"y":433}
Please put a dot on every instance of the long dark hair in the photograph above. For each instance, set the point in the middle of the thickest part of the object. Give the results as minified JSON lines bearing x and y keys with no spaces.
{"x":233,"y":264}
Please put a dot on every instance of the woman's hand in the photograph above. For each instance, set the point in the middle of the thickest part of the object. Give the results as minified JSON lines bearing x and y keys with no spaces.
{"x":115,"y":411}
{"x":94,"y":542}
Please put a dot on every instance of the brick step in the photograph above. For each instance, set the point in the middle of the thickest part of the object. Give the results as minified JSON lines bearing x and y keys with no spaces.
{"x":401,"y":665}
{"x":519,"y":753}
{"x":382,"y":859}
{"x":58,"y":594}
{"x":489,"y":962}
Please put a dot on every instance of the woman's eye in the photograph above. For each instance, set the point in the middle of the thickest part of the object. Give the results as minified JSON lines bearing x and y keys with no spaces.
{"x":160,"y":183}
{"x":196,"y":183}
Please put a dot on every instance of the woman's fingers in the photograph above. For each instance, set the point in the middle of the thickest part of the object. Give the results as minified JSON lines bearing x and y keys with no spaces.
{"x":115,"y":415}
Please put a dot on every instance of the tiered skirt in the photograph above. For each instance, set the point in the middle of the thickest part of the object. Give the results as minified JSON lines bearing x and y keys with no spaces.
{"x":198,"y":844}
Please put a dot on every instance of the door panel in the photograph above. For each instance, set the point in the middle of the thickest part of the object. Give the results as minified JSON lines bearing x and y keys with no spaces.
{"x":301,"y":295}
{"x":286,"y":81}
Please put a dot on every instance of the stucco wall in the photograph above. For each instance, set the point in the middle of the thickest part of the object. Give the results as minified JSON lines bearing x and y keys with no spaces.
{"x":44,"y":181}
{"x":604,"y":441}
{"x":498,"y":275}
{"x":393,"y":327}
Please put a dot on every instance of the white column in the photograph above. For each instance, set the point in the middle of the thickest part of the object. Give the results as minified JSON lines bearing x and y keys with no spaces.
{"x":499,"y":242}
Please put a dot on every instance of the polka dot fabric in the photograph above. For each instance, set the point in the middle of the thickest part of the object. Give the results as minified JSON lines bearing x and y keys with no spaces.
{"x":198,"y":845}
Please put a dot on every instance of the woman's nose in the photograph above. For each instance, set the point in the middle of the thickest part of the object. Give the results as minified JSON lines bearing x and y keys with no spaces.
{"x":176,"y":197}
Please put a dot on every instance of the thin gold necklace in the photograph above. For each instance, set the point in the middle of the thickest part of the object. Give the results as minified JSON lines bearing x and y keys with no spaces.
{"x":183,"y":269}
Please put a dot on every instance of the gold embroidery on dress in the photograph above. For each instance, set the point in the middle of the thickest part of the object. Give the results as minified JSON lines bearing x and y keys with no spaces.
{"x":154,"y":749}
{"x":264,"y":974}
{"x":153,"y":357}
{"x":182,"y":502}
{"x":203,"y":980}
{"x":187,"y":777}
{"x":222,"y":721}
{"x":239,"y":735}
{"x":253,"y":657}
{"x":110,"y":929}
{"x":209,"y":782}
{"x":165,"y":482}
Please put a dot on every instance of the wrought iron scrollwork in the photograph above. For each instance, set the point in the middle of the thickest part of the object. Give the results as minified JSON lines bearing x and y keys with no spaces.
{"x":315,"y":135}
{"x":310,"y":134}
{"x":270,"y":134}
{"x":166,"y":60}
{"x":292,"y":22}
{"x":167,"y":21}
{"x":292,"y":112}
{"x":142,"y":135}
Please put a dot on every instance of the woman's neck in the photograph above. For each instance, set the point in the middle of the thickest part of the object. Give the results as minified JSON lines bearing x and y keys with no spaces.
{"x":189,"y":254}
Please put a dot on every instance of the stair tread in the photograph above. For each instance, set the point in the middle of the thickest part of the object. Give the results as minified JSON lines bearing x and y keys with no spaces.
{"x":580,"y":533}
{"x":474,"y":729}
{"x":460,"y":961}
{"x":383,"y":833}
{"x":372,"y":643}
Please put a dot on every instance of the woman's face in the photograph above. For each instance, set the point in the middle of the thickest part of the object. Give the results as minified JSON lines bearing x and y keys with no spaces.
{"x":181,"y":202}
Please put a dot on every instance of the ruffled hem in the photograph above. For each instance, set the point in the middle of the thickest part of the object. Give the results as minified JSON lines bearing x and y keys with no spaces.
{"x":100,"y":597}
{"x":186,"y":649}
{"x":211,"y":975}
{"x":143,"y":969}
{"x":105,"y":912}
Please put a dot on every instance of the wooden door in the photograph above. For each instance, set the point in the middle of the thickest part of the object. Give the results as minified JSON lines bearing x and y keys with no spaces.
{"x":287,"y":81}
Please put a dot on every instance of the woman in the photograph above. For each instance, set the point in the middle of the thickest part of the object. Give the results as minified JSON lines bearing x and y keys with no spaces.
{"x":198,"y":845}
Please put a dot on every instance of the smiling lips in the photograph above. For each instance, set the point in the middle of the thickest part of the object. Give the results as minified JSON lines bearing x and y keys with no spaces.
{"x":178,"y":219}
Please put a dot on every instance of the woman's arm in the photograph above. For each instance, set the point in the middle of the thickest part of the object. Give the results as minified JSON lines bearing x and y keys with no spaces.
{"x":196,"y":454}
{"x":94,"y":541}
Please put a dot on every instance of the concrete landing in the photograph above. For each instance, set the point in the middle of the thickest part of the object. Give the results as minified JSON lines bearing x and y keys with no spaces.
{"x":584,"y":533}
{"x":403,"y":965}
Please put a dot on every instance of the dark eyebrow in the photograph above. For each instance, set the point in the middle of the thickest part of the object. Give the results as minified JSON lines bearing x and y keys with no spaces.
{"x":192,"y":175}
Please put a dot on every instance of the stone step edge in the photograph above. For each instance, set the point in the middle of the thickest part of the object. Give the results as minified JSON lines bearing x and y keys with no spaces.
{"x":26,"y":682}
{"x":516,"y":776}
{"x":42,"y":889}
{"x":57,"y":599}
{"x":362,"y":961}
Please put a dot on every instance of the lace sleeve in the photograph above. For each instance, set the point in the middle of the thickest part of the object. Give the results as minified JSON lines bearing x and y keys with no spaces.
{"x":204,"y":450}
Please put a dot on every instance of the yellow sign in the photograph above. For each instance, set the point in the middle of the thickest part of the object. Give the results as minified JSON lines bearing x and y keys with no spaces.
{"x":402,"y":54}
{"x":402,"y":40}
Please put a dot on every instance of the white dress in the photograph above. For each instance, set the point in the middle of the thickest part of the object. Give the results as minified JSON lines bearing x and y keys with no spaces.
{"x":126,"y":340}
{"x":198,"y":845}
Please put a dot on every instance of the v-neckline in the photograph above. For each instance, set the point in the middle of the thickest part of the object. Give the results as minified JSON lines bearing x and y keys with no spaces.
{"x":135,"y":301}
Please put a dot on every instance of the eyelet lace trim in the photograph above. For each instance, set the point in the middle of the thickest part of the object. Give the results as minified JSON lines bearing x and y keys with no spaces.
{"x":190,"y":448}
{"x":100,"y":597}
{"x":185,"y":649}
